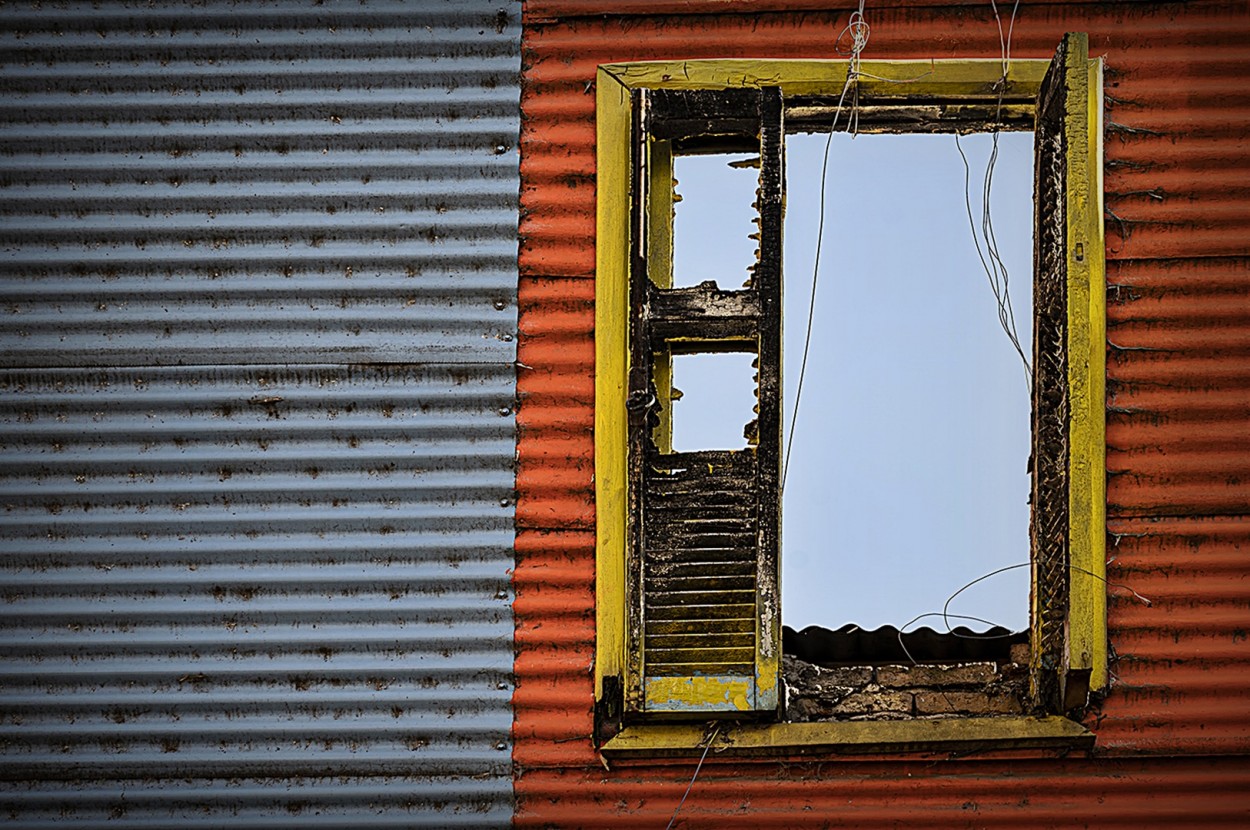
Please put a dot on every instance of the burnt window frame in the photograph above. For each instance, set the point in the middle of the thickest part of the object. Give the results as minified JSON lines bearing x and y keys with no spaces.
{"x":894,"y":96}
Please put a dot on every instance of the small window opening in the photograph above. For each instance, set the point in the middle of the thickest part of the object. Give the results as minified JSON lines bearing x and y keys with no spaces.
{"x":908,"y":474}
{"x":713,"y":219}
{"x":713,"y":401}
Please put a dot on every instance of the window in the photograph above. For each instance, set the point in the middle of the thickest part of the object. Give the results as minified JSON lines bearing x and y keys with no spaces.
{"x":687,"y":565}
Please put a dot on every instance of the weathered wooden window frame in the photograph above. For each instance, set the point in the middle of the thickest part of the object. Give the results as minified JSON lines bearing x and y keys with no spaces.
{"x":900,"y":96}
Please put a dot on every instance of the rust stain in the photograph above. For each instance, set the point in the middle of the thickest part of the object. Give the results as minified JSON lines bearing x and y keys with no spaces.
{"x":1178,"y":420}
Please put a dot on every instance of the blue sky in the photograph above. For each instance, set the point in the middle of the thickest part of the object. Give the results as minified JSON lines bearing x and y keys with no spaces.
{"x":908,"y":476}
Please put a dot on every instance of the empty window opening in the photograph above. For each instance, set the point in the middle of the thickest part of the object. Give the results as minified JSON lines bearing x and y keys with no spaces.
{"x":713,"y":401}
{"x":690,"y":514}
{"x":713,"y":219}
{"x":908,"y":476}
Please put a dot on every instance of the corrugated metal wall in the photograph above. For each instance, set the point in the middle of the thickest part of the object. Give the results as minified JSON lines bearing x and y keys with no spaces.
{"x":1174,"y":733}
{"x":256,"y":412}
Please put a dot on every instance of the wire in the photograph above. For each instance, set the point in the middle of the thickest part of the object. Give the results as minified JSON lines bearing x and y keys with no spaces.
{"x":946,"y":605}
{"x":1005,"y":43}
{"x":698,"y":767}
{"x":859,"y":30}
{"x":947,"y":616}
{"x":991,"y":260}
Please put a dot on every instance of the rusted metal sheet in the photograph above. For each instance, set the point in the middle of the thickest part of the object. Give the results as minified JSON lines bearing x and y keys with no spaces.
{"x":933,"y":793}
{"x":552,"y":10}
{"x":1177,"y":426}
{"x":224,"y":182}
{"x":257,"y":395}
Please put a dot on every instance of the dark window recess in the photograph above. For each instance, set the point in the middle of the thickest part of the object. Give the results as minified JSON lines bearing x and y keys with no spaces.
{"x":851,"y":645}
{"x":1057,"y":689}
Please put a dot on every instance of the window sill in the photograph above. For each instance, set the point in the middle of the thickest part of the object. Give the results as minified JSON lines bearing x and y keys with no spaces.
{"x":852,"y":738}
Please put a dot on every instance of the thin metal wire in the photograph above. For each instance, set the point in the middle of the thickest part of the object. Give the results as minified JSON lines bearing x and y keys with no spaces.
{"x":992,"y":263}
{"x":698,"y":767}
{"x":1006,"y":315}
{"x":860,"y":31}
{"x":947,"y":616}
{"x":946,"y":605}
{"x":949,"y":630}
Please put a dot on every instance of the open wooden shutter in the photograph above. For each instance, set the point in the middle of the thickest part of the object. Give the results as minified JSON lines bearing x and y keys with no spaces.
{"x":1068,"y":495}
{"x":704,"y":628}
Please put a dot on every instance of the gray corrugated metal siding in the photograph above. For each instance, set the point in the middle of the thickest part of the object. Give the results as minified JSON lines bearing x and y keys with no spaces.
{"x":226,"y":181}
{"x":258,"y":274}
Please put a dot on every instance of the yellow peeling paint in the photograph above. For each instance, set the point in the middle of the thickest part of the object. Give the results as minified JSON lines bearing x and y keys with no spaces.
{"x":894,"y":79}
{"x":611,"y":368}
{"x":700,"y":694}
{"x":660,"y":264}
{"x":1087,"y":630}
{"x":853,"y":737}
{"x":970,"y":80}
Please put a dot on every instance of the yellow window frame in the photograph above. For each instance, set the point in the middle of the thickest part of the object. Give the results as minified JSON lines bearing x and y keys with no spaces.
{"x":974,"y":81}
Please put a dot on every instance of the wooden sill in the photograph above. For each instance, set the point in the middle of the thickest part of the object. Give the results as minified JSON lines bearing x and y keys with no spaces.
{"x":851,"y":737}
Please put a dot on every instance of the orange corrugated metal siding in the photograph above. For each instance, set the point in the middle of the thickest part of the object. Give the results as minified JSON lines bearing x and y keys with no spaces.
{"x":1174,"y":731}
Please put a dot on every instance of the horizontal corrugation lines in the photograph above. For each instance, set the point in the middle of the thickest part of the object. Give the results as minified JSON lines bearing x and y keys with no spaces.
{"x":546,"y":11}
{"x":328,"y":181}
{"x":926,"y":793}
{"x":241,"y":571}
{"x":1178,"y":385}
{"x":256,"y":414}
{"x":1178,"y":455}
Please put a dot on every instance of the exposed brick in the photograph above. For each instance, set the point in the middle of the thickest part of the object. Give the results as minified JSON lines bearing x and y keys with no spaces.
{"x":804,"y":709}
{"x":847,"y":675}
{"x":815,"y":693}
{"x":801,"y":674}
{"x":972,"y":703}
{"x":874,"y":701}
{"x":964,"y":674}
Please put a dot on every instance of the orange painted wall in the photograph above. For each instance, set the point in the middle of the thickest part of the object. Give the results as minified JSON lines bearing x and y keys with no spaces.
{"x":1173,"y":735}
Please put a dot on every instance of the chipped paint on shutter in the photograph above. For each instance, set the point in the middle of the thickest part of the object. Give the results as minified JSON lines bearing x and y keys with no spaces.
{"x":704,"y":535}
{"x":257,"y":395}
